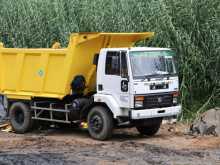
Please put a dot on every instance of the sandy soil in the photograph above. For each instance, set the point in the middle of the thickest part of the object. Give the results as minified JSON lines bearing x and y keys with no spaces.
{"x":74,"y":146}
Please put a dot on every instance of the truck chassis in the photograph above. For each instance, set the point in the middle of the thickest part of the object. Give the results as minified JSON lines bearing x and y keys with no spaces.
{"x":40,"y":107}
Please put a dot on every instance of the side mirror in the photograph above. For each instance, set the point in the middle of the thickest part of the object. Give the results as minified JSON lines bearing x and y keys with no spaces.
{"x":124,"y":85}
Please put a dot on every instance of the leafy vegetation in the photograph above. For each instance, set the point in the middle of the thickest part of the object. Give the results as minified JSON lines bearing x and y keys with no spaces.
{"x":192,"y":27}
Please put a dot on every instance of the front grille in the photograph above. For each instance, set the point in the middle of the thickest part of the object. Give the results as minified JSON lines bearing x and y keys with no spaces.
{"x":158,"y":100}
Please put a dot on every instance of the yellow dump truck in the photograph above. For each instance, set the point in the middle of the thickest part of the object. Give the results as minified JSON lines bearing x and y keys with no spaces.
{"x":99,"y":81}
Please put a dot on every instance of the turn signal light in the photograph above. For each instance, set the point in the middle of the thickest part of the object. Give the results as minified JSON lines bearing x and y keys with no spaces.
{"x":139,"y":98}
{"x":176,"y":94}
{"x":176,"y":97}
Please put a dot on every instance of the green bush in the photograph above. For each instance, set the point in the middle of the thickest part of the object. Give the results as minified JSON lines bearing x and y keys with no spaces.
{"x":192,"y":27}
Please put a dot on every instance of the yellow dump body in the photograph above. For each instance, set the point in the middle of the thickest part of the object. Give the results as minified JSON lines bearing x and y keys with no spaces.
{"x":28,"y":73}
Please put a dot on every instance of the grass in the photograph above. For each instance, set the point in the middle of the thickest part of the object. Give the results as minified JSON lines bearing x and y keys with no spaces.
{"x":192,"y":27}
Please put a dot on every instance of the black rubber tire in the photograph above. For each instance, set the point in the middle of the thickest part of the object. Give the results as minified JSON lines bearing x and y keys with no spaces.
{"x":149,"y":127}
{"x":103,"y":114}
{"x":20,"y":117}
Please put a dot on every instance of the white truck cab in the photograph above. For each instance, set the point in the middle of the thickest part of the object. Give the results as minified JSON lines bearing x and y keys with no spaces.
{"x":138,"y":84}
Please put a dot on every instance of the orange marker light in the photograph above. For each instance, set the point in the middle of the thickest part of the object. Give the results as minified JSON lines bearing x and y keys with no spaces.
{"x":139,"y":98}
{"x":176,"y":94}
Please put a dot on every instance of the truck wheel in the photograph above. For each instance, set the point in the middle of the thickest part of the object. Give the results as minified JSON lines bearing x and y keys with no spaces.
{"x":149,"y":127}
{"x":20,"y":117}
{"x":100,"y":123}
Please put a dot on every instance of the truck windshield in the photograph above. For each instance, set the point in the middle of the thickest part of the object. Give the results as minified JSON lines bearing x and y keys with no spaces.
{"x":146,"y":64}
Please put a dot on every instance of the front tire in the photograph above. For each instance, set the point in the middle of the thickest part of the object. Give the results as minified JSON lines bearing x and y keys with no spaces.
{"x":149,"y":127}
{"x":20,"y":117}
{"x":100,"y":123}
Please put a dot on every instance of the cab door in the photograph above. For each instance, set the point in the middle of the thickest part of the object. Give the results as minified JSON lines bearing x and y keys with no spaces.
{"x":115,"y":80}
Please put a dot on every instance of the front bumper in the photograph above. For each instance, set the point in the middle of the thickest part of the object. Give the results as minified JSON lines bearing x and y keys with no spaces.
{"x":156,"y":112}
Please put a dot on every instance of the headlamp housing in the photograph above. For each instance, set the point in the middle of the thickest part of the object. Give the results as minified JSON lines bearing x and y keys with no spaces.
{"x":139,"y":101}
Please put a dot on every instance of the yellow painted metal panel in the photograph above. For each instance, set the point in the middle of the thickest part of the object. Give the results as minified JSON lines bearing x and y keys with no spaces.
{"x":27,"y":73}
{"x":9,"y":68}
{"x":31,"y":73}
{"x":53,"y":79}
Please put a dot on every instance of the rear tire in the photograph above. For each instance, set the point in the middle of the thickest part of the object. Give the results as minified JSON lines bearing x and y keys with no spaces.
{"x":100,"y":123}
{"x":149,"y":127}
{"x":20,"y":117}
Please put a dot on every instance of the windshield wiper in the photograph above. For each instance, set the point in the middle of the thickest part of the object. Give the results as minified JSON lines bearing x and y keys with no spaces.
{"x":149,"y":76}
{"x":161,"y":72}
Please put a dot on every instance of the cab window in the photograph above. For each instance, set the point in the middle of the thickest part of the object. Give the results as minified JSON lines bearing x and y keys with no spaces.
{"x":116,"y":64}
{"x":112,"y":65}
{"x":124,"y":68}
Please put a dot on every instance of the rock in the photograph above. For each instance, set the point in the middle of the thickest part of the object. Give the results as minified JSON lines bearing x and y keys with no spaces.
{"x":207,"y":123}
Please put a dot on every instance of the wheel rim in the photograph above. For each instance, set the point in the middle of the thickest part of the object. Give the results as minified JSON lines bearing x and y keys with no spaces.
{"x":96,"y":123}
{"x":19,"y":116}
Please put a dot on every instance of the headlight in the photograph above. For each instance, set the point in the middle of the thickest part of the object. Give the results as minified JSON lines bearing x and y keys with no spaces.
{"x":139,"y":101}
{"x":176,"y":97}
{"x":175,"y":100}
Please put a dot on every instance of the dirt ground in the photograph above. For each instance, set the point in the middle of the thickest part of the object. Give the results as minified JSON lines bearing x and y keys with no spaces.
{"x":74,"y":146}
